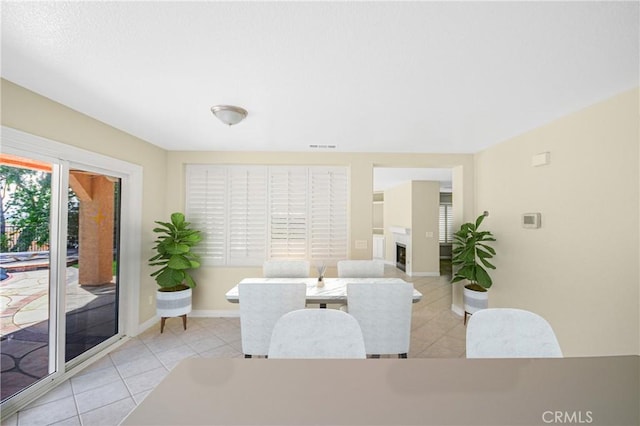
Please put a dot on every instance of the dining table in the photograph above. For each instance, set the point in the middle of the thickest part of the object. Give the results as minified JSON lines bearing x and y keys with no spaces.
{"x":333,"y":290}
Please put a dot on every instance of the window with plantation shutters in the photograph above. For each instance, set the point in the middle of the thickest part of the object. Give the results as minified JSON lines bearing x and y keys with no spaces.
{"x":328,"y":211}
{"x":252,"y":213}
{"x":206,"y":209}
{"x":246,"y":215}
{"x":288,"y":215}
{"x":446,"y":227}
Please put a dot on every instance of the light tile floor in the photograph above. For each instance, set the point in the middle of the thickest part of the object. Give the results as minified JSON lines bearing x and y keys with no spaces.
{"x":105,"y":392}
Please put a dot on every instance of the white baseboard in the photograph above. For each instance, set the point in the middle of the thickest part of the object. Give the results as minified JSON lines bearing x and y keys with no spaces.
{"x":147,"y":325}
{"x":457,"y":310}
{"x":424,"y":274}
{"x":196,"y":314}
{"x":215,"y":313}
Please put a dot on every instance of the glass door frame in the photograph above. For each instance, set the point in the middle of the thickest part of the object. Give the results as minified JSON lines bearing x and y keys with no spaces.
{"x":63,"y":157}
{"x":121,"y":320}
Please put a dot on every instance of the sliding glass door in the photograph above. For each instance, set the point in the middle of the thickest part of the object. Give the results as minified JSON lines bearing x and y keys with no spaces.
{"x":26,"y":283}
{"x":59,"y":267}
{"x":93,"y":231}
{"x":69,"y":278}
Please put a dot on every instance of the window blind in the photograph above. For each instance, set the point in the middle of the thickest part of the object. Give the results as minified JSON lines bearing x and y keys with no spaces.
{"x":288,"y":215}
{"x":251,"y":213}
{"x":445,"y":224}
{"x":205,"y":208}
{"x":328,"y":207}
{"x":247,"y":215}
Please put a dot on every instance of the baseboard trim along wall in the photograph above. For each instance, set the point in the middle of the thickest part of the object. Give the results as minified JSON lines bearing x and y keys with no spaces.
{"x":147,"y":325}
{"x":424,"y":274}
{"x":215,"y":313}
{"x":457,"y":310}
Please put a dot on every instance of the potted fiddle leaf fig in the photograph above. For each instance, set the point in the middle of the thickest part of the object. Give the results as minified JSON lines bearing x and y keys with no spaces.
{"x":471,"y":254}
{"x":175,"y":259}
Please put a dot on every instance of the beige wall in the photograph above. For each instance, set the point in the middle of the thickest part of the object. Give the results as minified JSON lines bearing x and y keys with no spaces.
{"x":414,"y":205}
{"x":580,"y":270}
{"x":463,"y":206}
{"x":425,"y":217}
{"x":214,"y":282}
{"x":29,"y":112}
{"x":397,"y":212}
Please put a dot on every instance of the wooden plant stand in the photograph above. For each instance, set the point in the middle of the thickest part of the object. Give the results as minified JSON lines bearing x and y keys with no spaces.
{"x":163,"y":319}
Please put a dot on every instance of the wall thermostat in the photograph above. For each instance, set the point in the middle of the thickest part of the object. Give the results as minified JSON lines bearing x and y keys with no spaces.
{"x":531,"y":220}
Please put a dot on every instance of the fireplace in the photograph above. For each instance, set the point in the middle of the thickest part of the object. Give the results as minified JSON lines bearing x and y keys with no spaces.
{"x":402,"y":241}
{"x":401,"y":257}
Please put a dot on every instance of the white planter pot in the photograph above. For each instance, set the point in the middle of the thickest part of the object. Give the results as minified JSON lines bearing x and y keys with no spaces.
{"x":173,"y":303}
{"x":475,"y":300}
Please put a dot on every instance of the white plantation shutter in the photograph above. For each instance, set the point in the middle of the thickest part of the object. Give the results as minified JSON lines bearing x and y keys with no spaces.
{"x":248,"y":214}
{"x":206,"y":210}
{"x":329,"y":197}
{"x":445,"y":223}
{"x":288,"y":214}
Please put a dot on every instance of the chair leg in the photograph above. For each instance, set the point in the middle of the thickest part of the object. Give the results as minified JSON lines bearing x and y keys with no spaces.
{"x":404,"y":355}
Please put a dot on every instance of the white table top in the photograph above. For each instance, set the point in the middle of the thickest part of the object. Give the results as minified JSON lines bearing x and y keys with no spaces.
{"x":334,"y":290}
{"x":209,"y":391}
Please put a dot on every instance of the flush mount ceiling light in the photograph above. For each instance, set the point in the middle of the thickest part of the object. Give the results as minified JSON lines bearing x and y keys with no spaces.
{"x":229,"y":114}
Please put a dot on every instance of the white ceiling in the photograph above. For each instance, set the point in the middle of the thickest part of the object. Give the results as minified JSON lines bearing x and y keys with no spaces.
{"x":436,"y":77}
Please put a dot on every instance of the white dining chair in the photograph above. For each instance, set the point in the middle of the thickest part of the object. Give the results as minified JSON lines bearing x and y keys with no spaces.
{"x":510,"y":333}
{"x":360,"y":269}
{"x":261,"y":305}
{"x":317,"y":333}
{"x":383,"y":311}
{"x":286,"y":269}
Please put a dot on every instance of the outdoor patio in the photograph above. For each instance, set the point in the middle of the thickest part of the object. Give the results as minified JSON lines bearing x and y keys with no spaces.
{"x":24,"y":312}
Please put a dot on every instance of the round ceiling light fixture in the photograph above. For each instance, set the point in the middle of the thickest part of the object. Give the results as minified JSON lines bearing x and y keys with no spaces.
{"x":229,"y":114}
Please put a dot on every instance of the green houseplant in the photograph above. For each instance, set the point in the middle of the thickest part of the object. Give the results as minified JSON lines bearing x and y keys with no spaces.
{"x":174,"y":255}
{"x":175,"y":258}
{"x":470,"y":259}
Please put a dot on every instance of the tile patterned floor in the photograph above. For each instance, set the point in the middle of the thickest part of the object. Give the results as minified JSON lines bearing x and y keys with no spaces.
{"x":105,"y":392}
